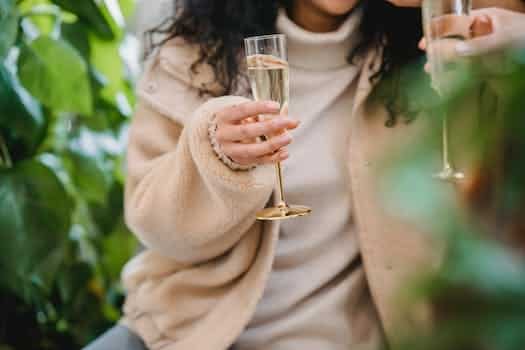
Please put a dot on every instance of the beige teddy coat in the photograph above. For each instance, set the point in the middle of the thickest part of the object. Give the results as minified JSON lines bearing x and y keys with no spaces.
{"x":206,"y":262}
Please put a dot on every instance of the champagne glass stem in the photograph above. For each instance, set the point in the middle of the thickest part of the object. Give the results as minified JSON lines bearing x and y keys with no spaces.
{"x":279,"y":174}
{"x":446,"y":159}
{"x":448,"y":173}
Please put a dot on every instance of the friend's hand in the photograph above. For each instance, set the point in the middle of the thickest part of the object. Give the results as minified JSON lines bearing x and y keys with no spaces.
{"x":515,"y":5}
{"x":239,"y":128}
{"x":491,"y":29}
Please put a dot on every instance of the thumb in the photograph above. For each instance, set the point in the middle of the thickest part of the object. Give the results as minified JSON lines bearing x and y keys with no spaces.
{"x":481,"y":25}
{"x":482,"y":45}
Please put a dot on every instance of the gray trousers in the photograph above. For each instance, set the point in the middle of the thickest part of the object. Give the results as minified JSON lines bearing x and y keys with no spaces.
{"x":117,"y":338}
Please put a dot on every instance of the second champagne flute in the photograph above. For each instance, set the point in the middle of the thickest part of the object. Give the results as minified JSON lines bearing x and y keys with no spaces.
{"x":445,"y":20}
{"x":269,"y":78}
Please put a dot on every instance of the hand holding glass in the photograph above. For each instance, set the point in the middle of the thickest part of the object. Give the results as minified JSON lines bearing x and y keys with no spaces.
{"x":269,"y":78}
{"x":444,"y":20}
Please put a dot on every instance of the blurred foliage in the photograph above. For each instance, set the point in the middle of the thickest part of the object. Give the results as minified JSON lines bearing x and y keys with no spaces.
{"x":65,"y":97}
{"x":477,"y":295}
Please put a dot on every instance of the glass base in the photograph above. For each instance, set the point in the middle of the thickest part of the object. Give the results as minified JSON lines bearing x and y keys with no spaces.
{"x":450,"y":175}
{"x":283,"y":213}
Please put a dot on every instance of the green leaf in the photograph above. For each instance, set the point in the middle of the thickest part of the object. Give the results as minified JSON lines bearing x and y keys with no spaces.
{"x":8,"y":26}
{"x":73,"y":280}
{"x":35,"y":216}
{"x":485,"y":266}
{"x":77,"y":35}
{"x":118,"y":248}
{"x":21,"y":121}
{"x":25,"y":6}
{"x":55,"y":73}
{"x":90,"y":175}
{"x":91,"y":14}
{"x":44,"y":274}
{"x":105,"y":58}
{"x":127,"y":7}
{"x":107,"y":214}
{"x":105,"y":118}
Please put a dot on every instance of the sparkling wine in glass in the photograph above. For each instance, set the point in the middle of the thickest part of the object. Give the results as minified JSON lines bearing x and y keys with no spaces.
{"x":445,"y":21}
{"x":269,"y":79}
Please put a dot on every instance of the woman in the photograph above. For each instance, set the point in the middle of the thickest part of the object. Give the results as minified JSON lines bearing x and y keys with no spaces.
{"x":212,"y":277}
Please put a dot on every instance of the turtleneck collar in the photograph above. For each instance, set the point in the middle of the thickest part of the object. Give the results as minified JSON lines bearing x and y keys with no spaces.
{"x":320,"y":51}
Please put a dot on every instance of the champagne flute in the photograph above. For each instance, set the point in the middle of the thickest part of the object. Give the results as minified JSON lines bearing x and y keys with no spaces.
{"x":269,"y":78}
{"x":444,"y":20}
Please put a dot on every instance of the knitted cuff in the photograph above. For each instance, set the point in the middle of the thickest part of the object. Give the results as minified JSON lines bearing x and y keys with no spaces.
{"x":212,"y":131}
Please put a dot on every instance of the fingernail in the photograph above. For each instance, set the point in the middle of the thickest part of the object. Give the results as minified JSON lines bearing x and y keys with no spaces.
{"x":294,"y":125}
{"x":292,"y":122}
{"x":283,"y":155}
{"x":289,"y":121}
{"x":463,"y":49}
{"x":484,"y":19}
{"x":273,"y":105}
{"x":286,"y":137}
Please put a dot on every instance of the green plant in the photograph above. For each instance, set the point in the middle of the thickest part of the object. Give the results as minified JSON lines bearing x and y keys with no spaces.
{"x":65,"y":97}
{"x":477,"y":295}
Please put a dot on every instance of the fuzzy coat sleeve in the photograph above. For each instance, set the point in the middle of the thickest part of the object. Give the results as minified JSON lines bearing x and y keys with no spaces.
{"x":180,"y":199}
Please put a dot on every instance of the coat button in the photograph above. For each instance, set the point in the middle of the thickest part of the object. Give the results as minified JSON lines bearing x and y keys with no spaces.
{"x":151,"y":88}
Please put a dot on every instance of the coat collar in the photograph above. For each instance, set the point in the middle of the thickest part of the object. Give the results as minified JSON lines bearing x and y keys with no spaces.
{"x":371,"y":64}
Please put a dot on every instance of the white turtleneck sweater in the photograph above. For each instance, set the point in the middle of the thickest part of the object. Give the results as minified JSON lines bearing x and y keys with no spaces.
{"x":317,"y":296}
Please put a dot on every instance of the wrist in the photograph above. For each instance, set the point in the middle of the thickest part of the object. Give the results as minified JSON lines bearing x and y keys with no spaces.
{"x":212,"y":134}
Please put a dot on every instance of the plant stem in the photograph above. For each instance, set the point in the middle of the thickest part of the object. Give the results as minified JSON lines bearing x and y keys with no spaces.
{"x":4,"y":153}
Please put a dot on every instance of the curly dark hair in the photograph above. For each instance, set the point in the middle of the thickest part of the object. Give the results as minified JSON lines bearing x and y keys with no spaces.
{"x":219,"y":27}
